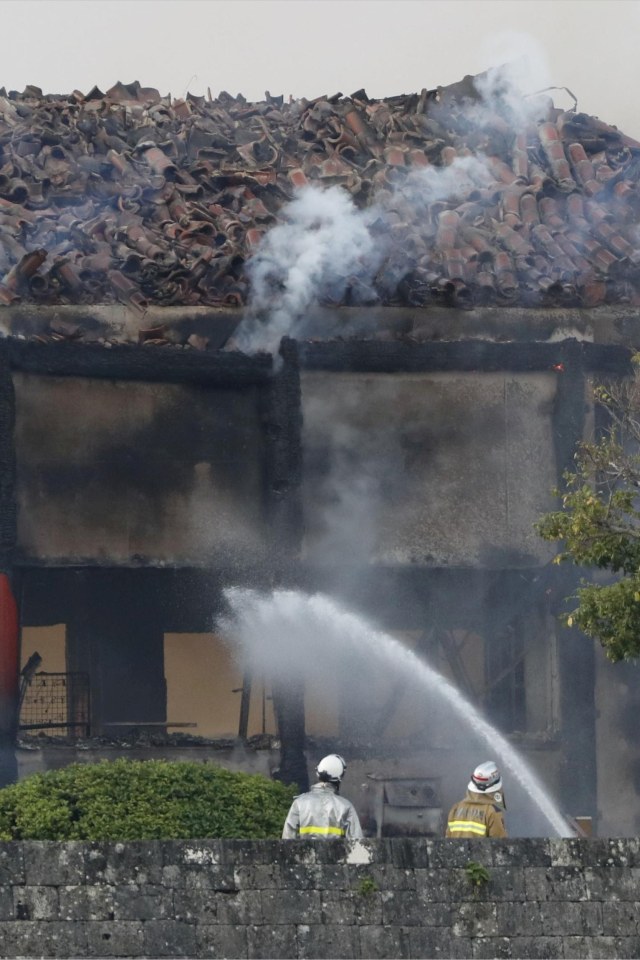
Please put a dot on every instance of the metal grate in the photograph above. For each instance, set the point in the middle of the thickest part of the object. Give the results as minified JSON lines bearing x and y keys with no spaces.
{"x":55,"y":701}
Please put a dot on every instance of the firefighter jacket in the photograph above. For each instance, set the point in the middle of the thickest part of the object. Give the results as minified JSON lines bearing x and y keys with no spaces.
{"x":478,"y":815}
{"x":322,"y":814}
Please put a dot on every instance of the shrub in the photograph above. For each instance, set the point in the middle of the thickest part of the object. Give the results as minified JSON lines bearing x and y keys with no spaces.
{"x":143,"y":800}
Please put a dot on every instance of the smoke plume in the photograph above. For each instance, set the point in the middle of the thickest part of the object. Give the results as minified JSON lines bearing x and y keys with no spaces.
{"x":322,"y":244}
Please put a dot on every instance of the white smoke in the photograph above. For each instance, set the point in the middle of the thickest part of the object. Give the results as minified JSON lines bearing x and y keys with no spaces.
{"x":427,"y":185}
{"x":323,"y":242}
{"x":509,"y":88}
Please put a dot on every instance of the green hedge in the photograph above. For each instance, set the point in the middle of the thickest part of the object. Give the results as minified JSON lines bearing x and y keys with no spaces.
{"x":143,"y":800}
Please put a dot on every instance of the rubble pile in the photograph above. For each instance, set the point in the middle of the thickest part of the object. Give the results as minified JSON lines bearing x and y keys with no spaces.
{"x":133,"y":197}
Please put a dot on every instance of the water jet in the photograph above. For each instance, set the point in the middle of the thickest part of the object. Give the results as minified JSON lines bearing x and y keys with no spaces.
{"x":290,"y":633}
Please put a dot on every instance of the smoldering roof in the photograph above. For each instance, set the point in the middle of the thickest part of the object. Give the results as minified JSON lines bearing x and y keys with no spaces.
{"x":145,"y":199}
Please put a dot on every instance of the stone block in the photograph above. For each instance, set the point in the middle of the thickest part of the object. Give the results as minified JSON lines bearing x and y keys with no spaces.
{"x":521,"y":853}
{"x":338,"y":910}
{"x":628,"y":948}
{"x":519,"y":919}
{"x":556,"y":883}
{"x":590,"y":948}
{"x":87,"y":903}
{"x":245,"y":907}
{"x":506,"y":883}
{"x":169,"y":938}
{"x":491,"y":948}
{"x":611,"y":852}
{"x":289,"y":906}
{"x":537,"y":883}
{"x":612,"y":883}
{"x":172,"y":875}
{"x":444,"y":854}
{"x":188,"y":853}
{"x":406,"y":853}
{"x":537,"y":948}
{"x":35,"y":903}
{"x":11,"y":863}
{"x":212,"y":879}
{"x":433,"y":885}
{"x":132,"y":862}
{"x":380,"y":943}
{"x":405,"y":908}
{"x":33,"y":938}
{"x":143,"y":903}
{"x":194,"y":906}
{"x":272,"y":942}
{"x":385,"y":876}
{"x":567,"y":851}
{"x":307,"y":852}
{"x":474,"y":920}
{"x":117,"y":939}
{"x":247,"y":852}
{"x":620,"y":919}
{"x":566,"y":883}
{"x":460,"y":948}
{"x":431,"y":942}
{"x":259,"y":877}
{"x":316,"y":940}
{"x":7,"y":909}
{"x":331,"y":877}
{"x":299,"y":876}
{"x":221,"y":940}
{"x":571,"y":919}
{"x":53,"y":864}
{"x":367,"y":908}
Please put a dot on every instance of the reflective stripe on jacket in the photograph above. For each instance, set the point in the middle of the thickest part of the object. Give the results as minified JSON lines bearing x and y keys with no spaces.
{"x":478,"y":815}
{"x":321,"y":813}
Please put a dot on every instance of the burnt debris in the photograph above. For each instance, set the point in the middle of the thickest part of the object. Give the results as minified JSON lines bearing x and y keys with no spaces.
{"x":134,"y":197}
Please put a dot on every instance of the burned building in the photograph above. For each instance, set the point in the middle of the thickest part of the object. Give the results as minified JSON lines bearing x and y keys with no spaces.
{"x":343,"y":345}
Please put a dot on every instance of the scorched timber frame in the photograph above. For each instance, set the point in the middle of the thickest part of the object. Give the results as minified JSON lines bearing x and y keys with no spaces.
{"x":279,"y":418}
{"x":574,"y":361}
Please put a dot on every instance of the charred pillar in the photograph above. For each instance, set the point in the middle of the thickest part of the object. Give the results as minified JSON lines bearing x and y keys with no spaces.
{"x":9,"y":628}
{"x":283,"y":422}
{"x":578,"y":771}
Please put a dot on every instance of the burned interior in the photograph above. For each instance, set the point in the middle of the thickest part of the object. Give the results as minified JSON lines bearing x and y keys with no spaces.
{"x":179,"y":415}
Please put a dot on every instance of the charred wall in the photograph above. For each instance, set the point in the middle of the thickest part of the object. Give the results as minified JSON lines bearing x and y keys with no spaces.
{"x":144,"y":485}
{"x":518,"y":406}
{"x":464,"y":473}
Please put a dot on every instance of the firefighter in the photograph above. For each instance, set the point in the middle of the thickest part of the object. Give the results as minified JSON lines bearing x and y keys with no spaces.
{"x":480,"y":814}
{"x":322,"y":813}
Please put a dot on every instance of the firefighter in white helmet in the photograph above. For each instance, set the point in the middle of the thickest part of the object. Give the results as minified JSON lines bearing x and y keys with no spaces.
{"x":322,"y":813}
{"x":480,"y":814}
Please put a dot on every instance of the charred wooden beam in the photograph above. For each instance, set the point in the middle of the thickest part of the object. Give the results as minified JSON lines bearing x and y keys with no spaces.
{"x":128,"y":362}
{"x":475,"y":356}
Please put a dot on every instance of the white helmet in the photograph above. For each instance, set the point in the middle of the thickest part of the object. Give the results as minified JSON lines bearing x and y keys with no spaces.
{"x":485,"y":778}
{"x":331,"y":769}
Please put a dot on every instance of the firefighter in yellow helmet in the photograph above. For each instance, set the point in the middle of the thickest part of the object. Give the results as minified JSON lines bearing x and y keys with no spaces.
{"x":322,"y":813}
{"x":480,"y":814}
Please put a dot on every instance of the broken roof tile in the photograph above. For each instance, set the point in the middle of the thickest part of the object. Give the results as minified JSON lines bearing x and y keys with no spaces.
{"x":144,"y":199}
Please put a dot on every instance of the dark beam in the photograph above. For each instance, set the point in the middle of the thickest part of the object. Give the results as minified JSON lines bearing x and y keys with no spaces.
{"x":133,"y":362}
{"x":475,"y":356}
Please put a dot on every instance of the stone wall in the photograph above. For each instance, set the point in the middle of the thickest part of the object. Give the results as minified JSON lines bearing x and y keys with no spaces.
{"x":390,"y":898}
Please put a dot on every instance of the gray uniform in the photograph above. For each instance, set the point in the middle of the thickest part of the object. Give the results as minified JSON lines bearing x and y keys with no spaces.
{"x":322,"y":814}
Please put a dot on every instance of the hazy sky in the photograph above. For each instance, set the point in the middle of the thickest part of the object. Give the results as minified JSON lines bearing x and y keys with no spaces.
{"x":314,"y":47}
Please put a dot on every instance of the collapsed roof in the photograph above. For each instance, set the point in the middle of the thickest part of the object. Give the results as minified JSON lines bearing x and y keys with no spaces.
{"x":475,"y":196}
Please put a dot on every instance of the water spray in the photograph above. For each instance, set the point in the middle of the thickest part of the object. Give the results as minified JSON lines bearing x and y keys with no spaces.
{"x":295,"y":634}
